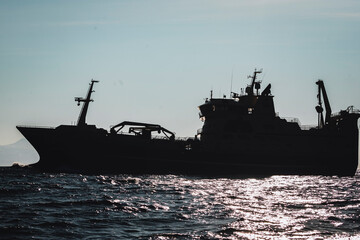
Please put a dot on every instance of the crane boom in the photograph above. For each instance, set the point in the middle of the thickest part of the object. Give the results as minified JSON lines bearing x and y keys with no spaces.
{"x":322,"y":90}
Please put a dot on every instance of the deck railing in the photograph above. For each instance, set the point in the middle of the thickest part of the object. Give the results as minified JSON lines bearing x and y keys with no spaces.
{"x":35,"y":126}
{"x":292,"y":119}
{"x":307,"y":127}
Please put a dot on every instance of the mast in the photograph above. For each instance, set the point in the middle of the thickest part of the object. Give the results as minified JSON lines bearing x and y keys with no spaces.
{"x":82,"y":117}
{"x":250,"y":89}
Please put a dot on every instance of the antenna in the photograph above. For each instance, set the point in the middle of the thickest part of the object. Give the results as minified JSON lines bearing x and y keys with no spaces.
{"x":232,"y":75}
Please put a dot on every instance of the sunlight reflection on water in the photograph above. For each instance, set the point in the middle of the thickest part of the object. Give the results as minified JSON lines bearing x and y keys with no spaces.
{"x":178,"y":207}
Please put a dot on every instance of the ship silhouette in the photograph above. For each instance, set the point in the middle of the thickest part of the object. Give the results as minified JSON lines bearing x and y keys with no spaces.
{"x":241,"y":135}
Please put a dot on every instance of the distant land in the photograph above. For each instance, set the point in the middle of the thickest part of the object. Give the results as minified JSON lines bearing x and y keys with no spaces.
{"x":20,"y":152}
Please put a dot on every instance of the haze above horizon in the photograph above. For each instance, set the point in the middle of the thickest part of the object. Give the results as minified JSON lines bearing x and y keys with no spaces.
{"x":158,"y":60}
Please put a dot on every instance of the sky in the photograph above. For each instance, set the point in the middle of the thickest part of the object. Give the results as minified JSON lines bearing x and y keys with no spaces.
{"x":158,"y":60}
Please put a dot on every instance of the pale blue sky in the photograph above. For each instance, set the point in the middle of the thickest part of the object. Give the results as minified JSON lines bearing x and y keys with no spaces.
{"x":158,"y":60}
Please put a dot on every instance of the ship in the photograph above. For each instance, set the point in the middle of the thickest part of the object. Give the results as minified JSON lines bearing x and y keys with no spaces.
{"x":241,"y":135}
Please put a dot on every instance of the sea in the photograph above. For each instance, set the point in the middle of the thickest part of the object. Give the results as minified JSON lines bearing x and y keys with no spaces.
{"x":39,"y":205}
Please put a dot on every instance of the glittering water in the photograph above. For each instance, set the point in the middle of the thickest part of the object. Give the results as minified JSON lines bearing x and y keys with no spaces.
{"x":74,"y":206}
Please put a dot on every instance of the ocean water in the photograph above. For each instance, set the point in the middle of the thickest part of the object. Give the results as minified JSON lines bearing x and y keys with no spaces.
{"x":74,"y":206}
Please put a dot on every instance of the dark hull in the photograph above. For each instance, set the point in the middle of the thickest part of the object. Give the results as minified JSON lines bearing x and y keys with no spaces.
{"x":95,"y":151}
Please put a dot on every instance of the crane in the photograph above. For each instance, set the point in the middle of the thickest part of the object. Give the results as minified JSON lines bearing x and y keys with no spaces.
{"x":322,"y":94}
